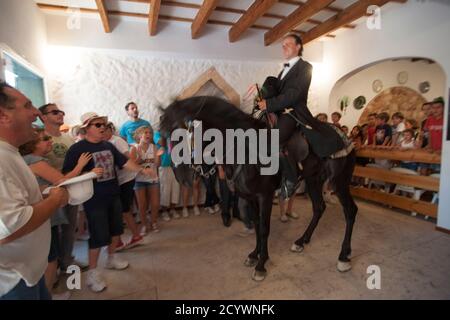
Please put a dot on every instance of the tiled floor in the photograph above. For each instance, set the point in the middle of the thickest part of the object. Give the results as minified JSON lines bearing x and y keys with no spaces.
{"x":198,"y":258}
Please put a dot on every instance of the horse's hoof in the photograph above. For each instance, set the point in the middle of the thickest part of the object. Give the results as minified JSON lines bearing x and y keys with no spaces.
{"x":259,"y":275}
{"x":344,"y":266}
{"x":296,"y":248}
{"x":249,"y":262}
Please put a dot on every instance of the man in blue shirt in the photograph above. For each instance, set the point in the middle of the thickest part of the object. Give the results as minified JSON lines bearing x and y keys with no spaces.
{"x":129,"y":127}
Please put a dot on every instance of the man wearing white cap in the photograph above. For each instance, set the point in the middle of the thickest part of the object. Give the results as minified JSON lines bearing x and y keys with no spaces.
{"x":103,"y":210}
{"x":24,"y":215}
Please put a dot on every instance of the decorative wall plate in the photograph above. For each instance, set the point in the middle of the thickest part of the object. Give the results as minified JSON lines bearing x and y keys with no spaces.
{"x":424,"y":87}
{"x":402,"y":77}
{"x":377,"y":86}
{"x":359,"y":102}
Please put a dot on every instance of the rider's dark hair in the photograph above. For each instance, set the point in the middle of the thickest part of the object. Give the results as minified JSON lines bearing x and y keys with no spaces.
{"x":298,"y":41}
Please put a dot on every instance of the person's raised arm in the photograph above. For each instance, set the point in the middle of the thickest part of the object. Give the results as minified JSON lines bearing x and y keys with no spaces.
{"x":47,"y":172}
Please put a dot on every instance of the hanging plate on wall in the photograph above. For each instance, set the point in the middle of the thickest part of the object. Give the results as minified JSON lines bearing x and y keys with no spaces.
{"x":424,"y":87}
{"x":377,"y":86}
{"x":402,"y":77}
{"x":359,"y":102}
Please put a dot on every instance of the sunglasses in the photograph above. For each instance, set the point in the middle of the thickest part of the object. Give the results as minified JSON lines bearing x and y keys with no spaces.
{"x":98,"y":125}
{"x":55,"y":112}
{"x":46,"y":138}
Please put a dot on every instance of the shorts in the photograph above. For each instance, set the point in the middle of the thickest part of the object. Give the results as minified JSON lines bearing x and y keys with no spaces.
{"x":410,"y":165}
{"x":170,"y":189}
{"x":127,"y":195}
{"x":434,"y":167}
{"x":54,"y":245}
{"x":142,"y":185}
{"x":104,"y":217}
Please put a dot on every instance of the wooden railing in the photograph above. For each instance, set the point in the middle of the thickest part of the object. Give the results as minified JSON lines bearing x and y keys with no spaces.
{"x":389,"y":176}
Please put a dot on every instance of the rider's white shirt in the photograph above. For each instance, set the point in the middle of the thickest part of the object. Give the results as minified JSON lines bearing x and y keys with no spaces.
{"x":291,"y":62}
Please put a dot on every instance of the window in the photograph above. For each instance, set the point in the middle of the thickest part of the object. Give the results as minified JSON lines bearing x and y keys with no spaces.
{"x":19,"y":74}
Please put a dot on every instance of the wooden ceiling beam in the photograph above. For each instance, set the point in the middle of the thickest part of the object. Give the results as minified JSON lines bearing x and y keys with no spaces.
{"x":153,"y":15}
{"x":186,"y":5}
{"x":300,"y":15}
{"x":302,"y":3}
{"x":203,"y":14}
{"x":45,"y":6}
{"x":253,"y":13}
{"x":350,"y":14}
{"x":103,"y":15}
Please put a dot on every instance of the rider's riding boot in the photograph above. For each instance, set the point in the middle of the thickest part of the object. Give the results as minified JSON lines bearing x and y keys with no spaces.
{"x":289,"y":177}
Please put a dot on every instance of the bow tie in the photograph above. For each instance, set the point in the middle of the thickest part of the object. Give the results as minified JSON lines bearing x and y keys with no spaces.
{"x":286,"y":65}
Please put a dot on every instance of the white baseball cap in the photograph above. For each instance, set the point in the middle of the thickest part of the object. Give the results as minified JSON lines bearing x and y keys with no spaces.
{"x":80,"y":188}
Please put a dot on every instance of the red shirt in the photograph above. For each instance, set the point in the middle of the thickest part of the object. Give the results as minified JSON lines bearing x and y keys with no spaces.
{"x":434,"y":127}
{"x":371,"y":134}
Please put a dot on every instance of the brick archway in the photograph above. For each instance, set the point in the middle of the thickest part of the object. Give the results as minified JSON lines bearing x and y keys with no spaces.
{"x":402,"y":99}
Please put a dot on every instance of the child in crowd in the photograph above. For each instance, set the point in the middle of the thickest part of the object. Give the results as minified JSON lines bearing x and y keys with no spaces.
{"x":126,"y":179}
{"x":371,"y":128}
{"x":335,"y":118}
{"x":185,"y":192}
{"x":383,"y":131}
{"x":286,"y":209}
{"x":185,"y":189}
{"x":147,"y":187}
{"x":398,"y":125}
{"x":323,"y":117}
{"x":364,"y":133}
{"x":345,"y":130}
{"x":408,"y":143}
{"x":383,"y":136}
{"x":170,"y":189}
{"x":357,"y":137}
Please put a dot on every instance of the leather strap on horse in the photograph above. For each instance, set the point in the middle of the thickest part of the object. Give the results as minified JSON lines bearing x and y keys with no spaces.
{"x":288,"y":111}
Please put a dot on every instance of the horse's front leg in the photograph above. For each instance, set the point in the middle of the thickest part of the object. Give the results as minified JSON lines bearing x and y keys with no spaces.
{"x":252,"y":211}
{"x":314,"y":186}
{"x":265,"y":209}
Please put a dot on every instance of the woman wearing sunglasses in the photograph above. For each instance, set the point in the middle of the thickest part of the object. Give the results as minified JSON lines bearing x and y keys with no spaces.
{"x":34,"y":153}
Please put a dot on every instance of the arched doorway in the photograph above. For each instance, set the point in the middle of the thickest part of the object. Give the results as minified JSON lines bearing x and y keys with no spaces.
{"x":395,"y":84}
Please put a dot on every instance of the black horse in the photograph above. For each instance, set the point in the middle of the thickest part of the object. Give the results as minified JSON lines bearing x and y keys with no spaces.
{"x":259,"y":189}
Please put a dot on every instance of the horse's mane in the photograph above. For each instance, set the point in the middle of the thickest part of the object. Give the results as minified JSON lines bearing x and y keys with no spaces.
{"x":212,"y":111}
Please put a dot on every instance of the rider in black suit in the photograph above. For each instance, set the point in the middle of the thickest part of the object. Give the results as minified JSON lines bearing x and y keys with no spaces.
{"x":292,"y":92}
